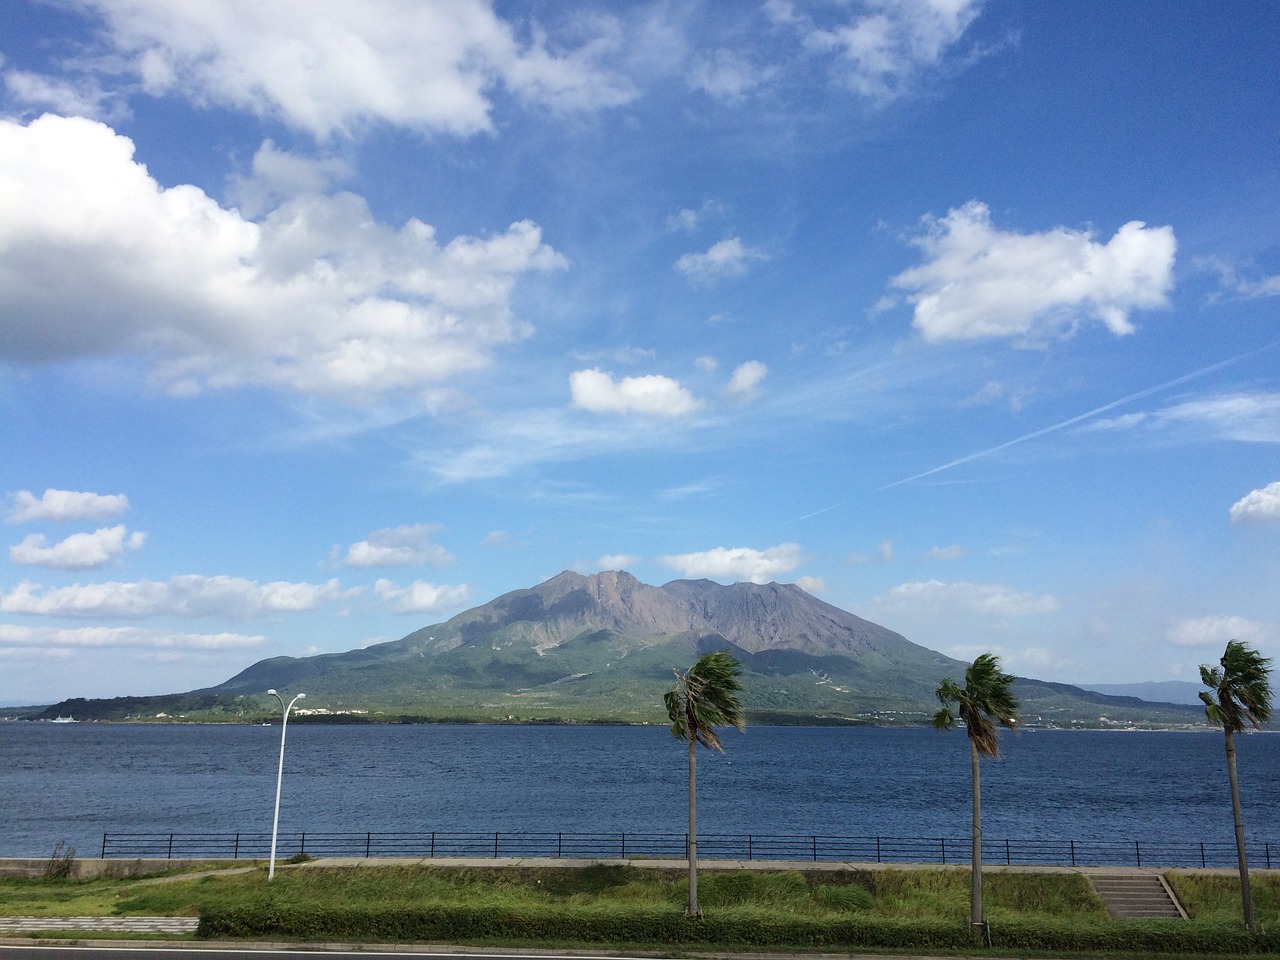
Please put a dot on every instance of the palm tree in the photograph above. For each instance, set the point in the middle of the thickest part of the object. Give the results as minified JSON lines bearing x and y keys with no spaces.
{"x":1239,"y":690}
{"x":704,"y":698}
{"x":985,"y":700}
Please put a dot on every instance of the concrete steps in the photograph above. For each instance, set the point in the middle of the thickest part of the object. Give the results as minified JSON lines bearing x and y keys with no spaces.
{"x":1137,"y":896}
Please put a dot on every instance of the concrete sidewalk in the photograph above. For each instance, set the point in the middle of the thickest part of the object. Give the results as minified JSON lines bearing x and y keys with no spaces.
{"x":172,"y":925}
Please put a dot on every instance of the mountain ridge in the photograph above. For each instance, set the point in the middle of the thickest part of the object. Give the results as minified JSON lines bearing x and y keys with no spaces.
{"x":601,"y":648}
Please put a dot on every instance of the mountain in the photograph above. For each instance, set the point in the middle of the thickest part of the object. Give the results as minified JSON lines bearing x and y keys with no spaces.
{"x":1165,"y":691}
{"x":602,"y":648}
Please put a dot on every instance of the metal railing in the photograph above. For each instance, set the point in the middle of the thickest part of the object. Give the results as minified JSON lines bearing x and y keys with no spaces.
{"x":668,"y":846}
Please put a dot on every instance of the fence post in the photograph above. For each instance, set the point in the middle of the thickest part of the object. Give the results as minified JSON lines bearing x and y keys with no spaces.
{"x":1202,"y":863}
{"x":751,"y":847}
{"x":104,"y":846}
{"x":1007,"y":861}
{"x":171,"y":846}
{"x":559,"y":845}
{"x":495,"y":844}
{"x":302,"y":844}
{"x":368,"y":844}
{"x":1137,"y":851}
{"x":878,"y":860}
{"x":1073,"y":853}
{"x":815,"y":848}
{"x":235,"y":851}
{"x":433,"y":844}
{"x":943,"y":841}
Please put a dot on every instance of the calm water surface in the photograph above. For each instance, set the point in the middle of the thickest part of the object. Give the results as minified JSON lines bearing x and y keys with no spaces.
{"x":74,"y":782}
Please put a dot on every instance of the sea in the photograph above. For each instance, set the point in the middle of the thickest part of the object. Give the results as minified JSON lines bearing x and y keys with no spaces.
{"x":70,"y":783}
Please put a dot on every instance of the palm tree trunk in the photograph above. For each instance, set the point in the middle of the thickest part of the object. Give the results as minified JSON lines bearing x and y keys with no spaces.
{"x":693,"y":910}
{"x":1245,"y":895}
{"x":975,"y":885}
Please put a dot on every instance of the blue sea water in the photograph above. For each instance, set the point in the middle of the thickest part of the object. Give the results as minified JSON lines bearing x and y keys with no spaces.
{"x":73,"y":782}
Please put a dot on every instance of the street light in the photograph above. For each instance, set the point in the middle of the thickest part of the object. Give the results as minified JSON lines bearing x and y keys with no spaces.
{"x":275,"y":824}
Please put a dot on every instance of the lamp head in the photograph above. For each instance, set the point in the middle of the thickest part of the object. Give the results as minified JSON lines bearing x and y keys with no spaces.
{"x":301,"y":696}
{"x":272,"y":693}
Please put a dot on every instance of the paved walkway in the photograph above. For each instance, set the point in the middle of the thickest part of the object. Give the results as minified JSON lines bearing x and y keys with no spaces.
{"x":98,"y":924}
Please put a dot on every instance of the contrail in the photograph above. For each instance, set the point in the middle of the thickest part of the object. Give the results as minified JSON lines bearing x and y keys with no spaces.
{"x":1084,"y":416}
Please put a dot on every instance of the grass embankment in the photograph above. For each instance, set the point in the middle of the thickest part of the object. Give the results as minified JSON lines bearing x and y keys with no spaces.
{"x":632,"y":907}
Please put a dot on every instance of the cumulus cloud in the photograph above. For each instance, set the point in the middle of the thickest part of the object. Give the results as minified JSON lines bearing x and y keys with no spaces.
{"x":986,"y":599}
{"x":280,"y":175}
{"x":76,"y":638}
{"x":332,"y":68}
{"x":1216,"y":631}
{"x":80,"y":551}
{"x":404,"y":546}
{"x":888,"y":43}
{"x":737,"y":563}
{"x":814,"y":585}
{"x":65,"y":505}
{"x":422,"y":597}
{"x":1258,"y":506}
{"x":728,"y":258}
{"x":190,"y":595}
{"x":318,"y":297}
{"x":979,"y":281}
{"x":745,"y":382}
{"x":597,"y":391}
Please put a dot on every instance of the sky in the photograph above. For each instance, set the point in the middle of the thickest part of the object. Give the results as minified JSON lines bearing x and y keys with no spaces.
{"x":322,"y":322}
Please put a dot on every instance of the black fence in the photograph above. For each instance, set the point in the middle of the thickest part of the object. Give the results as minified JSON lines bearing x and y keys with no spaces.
{"x":674,"y":846}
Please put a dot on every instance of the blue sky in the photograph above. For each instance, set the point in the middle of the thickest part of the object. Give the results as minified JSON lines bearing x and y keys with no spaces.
{"x":321,"y":322}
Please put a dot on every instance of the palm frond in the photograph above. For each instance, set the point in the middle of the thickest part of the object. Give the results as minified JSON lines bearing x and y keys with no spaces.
{"x":706,"y":697}
{"x":986,"y":699}
{"x":1239,"y":688}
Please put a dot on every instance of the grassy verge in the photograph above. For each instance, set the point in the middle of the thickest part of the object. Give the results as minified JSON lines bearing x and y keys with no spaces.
{"x":624,"y":905}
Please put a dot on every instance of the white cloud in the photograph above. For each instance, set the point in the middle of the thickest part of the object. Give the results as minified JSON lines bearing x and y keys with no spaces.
{"x":66,"y":505}
{"x":421,"y":597}
{"x":1216,"y":631}
{"x":953,"y":552}
{"x":404,"y":546}
{"x":333,"y":67}
{"x":727,"y":75}
{"x":728,"y":258}
{"x":281,"y":175}
{"x":746,"y":379}
{"x":317,"y":297}
{"x":80,"y":551}
{"x":60,"y":638}
{"x":77,"y":99}
{"x":190,"y":595}
{"x":1242,"y":417}
{"x":979,"y":281}
{"x":1235,"y":286}
{"x":987,"y":599}
{"x":883,"y":554}
{"x":1258,"y":506}
{"x":889,"y":42}
{"x":814,"y":585}
{"x":737,"y":563}
{"x":660,"y":396}
{"x":617,"y":561}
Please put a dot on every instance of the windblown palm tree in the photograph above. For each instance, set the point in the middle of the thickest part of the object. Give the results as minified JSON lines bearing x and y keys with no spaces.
{"x":985,"y":700}
{"x":704,"y":698}
{"x":1239,"y":691}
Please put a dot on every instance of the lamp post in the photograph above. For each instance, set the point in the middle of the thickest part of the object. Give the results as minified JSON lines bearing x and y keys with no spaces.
{"x":275,"y":824}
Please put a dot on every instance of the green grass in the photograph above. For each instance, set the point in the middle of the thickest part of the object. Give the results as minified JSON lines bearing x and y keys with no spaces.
{"x":923,"y":909}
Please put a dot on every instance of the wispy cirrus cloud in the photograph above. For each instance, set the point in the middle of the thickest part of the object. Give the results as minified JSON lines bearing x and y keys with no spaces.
{"x":727,"y":258}
{"x":76,"y":638}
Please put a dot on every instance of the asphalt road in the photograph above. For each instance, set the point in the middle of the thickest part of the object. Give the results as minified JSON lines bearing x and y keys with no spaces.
{"x":156,"y":952}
